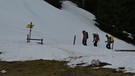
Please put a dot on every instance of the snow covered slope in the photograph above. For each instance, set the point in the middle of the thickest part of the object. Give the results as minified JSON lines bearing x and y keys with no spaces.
{"x":57,"y":28}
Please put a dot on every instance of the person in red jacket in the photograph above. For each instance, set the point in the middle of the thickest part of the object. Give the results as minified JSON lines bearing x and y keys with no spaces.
{"x":95,"y":39}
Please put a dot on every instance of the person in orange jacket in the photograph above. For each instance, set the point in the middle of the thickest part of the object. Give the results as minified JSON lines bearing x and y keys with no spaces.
{"x":85,"y":37}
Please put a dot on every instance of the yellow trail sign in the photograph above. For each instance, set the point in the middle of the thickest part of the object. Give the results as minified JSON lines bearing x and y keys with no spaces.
{"x":30,"y":26}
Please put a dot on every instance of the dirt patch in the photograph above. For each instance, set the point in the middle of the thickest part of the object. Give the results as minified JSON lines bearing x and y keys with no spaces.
{"x":53,"y":68}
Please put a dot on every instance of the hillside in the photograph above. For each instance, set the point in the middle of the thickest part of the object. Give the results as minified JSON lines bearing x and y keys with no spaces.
{"x":57,"y":28}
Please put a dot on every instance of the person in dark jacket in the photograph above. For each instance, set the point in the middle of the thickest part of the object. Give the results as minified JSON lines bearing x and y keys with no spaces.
{"x":108,"y":42}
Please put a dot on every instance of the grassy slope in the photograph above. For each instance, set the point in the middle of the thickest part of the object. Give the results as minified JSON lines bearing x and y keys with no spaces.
{"x":53,"y":68}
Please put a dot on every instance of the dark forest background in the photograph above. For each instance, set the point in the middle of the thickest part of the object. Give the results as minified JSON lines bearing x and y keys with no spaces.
{"x":116,"y":17}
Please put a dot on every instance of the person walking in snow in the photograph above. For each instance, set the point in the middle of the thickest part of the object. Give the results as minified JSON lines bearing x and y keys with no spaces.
{"x":85,"y":37}
{"x":108,"y":42}
{"x":95,"y":39}
{"x":112,"y":41}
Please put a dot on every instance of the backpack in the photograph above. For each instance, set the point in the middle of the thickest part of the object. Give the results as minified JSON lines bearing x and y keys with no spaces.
{"x":96,"y":37}
{"x":111,"y":39}
{"x":87,"y":36}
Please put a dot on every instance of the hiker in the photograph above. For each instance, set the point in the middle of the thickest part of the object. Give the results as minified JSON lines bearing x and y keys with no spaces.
{"x":95,"y":39}
{"x":110,"y":40}
{"x":85,"y":37}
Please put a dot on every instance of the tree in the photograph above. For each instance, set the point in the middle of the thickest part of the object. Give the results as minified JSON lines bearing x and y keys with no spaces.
{"x":56,"y":3}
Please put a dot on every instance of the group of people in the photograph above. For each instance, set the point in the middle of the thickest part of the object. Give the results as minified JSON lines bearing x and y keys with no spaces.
{"x":96,"y":39}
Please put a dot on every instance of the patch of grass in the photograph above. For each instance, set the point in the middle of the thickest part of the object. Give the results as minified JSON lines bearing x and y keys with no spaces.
{"x":53,"y":68}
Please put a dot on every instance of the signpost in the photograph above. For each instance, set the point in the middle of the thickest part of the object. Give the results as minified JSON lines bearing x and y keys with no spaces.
{"x":30,"y":26}
{"x":29,"y":35}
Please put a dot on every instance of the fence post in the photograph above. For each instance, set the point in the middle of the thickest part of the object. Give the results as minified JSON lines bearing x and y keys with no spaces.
{"x":74,"y":40}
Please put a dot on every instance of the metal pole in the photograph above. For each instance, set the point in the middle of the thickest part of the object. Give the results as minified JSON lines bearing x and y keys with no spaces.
{"x":30,"y":30}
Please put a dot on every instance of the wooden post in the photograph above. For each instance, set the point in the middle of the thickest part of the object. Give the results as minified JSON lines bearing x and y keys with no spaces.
{"x":28,"y":39}
{"x":41,"y":41}
{"x":74,"y":40}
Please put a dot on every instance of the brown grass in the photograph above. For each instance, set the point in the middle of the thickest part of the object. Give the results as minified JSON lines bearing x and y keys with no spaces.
{"x":53,"y":68}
